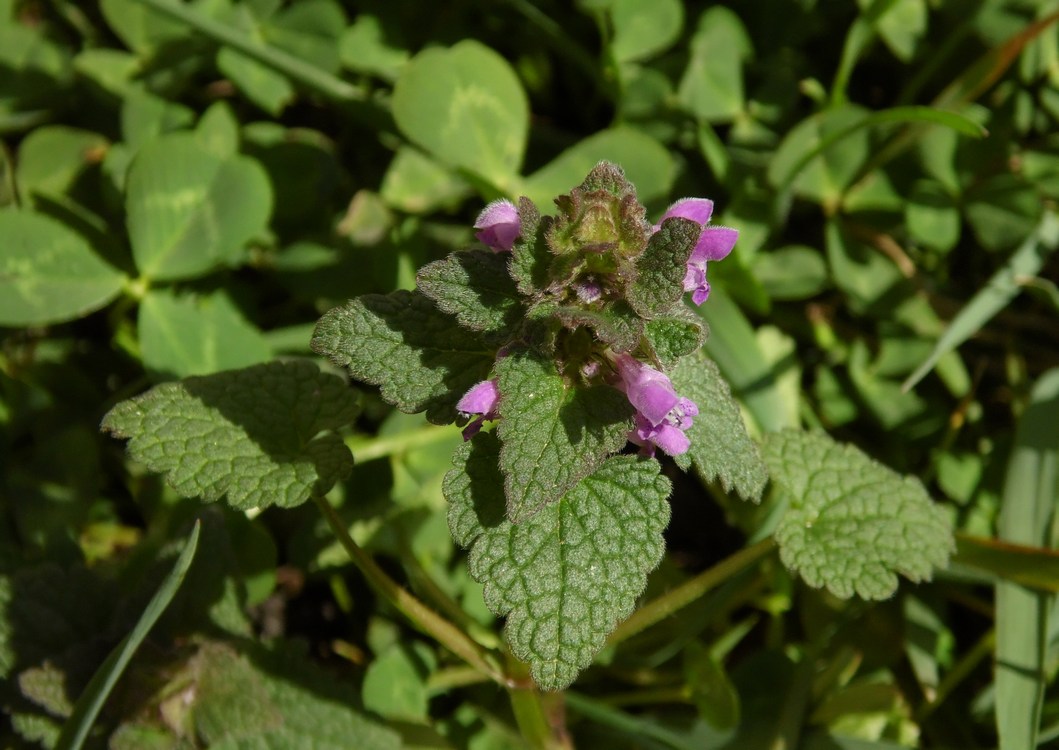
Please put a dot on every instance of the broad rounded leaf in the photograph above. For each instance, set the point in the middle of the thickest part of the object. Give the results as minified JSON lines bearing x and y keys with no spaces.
{"x":49,"y":273}
{"x":420,"y":358}
{"x":853,"y":524}
{"x":190,"y":210}
{"x":712,"y":85}
{"x":466,"y":106}
{"x":721,"y":450}
{"x":183,"y":335}
{"x":567,"y":576}
{"x":260,"y":436}
{"x":647,"y":164}
{"x":643,"y":28}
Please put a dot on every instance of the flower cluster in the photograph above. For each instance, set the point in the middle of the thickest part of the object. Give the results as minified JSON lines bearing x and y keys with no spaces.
{"x":662,"y":417}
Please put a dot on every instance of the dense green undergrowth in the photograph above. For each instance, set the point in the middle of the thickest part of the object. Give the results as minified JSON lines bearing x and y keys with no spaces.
{"x":186,"y":189}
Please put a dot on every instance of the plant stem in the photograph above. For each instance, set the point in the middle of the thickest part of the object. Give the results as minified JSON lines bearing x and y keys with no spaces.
{"x":293,"y":67}
{"x":387,"y":445}
{"x":540,"y":716}
{"x":662,"y":607}
{"x":422,"y":616}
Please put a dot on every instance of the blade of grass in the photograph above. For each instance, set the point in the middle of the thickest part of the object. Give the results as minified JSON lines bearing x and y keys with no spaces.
{"x":1027,"y":260}
{"x":1032,"y":567}
{"x":733,"y":346}
{"x":293,"y":67}
{"x":1026,"y":512}
{"x":76,"y":728}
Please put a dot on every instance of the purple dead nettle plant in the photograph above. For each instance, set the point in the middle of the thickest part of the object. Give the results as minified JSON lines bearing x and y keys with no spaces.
{"x":556,"y":343}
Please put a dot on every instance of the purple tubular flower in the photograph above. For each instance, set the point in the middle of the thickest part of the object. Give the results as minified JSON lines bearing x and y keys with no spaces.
{"x":661,"y":415}
{"x":482,"y":399}
{"x":498,"y":225}
{"x":715,"y":243}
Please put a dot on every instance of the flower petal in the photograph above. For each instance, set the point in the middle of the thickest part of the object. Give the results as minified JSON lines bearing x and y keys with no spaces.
{"x":499,"y":225}
{"x":698,"y":210}
{"x":714,"y":244}
{"x":482,"y":398}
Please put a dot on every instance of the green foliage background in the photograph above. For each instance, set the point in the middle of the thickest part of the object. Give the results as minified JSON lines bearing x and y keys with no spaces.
{"x":186,"y":187}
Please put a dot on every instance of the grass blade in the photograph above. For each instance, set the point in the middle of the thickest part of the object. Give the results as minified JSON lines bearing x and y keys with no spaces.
{"x":95,"y":694}
{"x":1032,"y":567}
{"x":1027,"y":507}
{"x":997,"y":293}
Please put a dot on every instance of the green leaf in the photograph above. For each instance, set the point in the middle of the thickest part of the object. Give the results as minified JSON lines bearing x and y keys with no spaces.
{"x":190,"y":210}
{"x":276,"y":698}
{"x":260,"y":436}
{"x":852,"y":523}
{"x":364,"y":48}
{"x":932,"y":217}
{"x":475,"y":287}
{"x":183,"y":335}
{"x":49,"y":273}
{"x":616,"y":324}
{"x":643,"y":28}
{"x":466,"y":106}
{"x":417,"y":184}
{"x":721,"y":450}
{"x":869,"y":278}
{"x":395,"y":684}
{"x":675,"y":336}
{"x":793,"y":272}
{"x":1001,"y":288}
{"x":421,"y":359}
{"x":88,"y":706}
{"x":647,"y":164}
{"x":553,"y":435}
{"x":1026,"y":516}
{"x":142,"y":29}
{"x":661,"y":268}
{"x":218,"y":130}
{"x":1002,"y":209}
{"x":742,"y":360}
{"x":712,"y":85}
{"x":820,"y":156}
{"x":712,"y":691}
{"x":531,"y":257}
{"x":51,"y":158}
{"x":567,"y":576}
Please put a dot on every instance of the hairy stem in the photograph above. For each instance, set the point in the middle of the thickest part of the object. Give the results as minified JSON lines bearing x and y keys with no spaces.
{"x":422,"y":616}
{"x":665,"y":605}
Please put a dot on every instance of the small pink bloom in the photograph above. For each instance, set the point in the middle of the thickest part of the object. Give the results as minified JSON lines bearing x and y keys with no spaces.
{"x":661,"y":415}
{"x":715,"y":243}
{"x":482,"y":399}
{"x":498,"y":225}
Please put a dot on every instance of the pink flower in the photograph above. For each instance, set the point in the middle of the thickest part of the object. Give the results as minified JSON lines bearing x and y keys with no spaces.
{"x":498,"y":225}
{"x":483,"y":399}
{"x":661,"y":415}
{"x":715,"y":243}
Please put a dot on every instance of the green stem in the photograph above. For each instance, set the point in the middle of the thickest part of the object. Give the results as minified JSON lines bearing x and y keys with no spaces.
{"x":540,"y":716}
{"x":665,"y":605}
{"x":387,"y":445}
{"x":426,"y":619}
{"x":960,"y":671}
{"x":293,"y":67}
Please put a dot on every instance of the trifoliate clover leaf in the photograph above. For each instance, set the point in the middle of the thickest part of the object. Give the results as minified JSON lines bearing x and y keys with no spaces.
{"x":476,"y":288}
{"x":661,"y":268}
{"x":616,"y":324}
{"x":260,"y":435}
{"x":676,"y":335}
{"x":553,"y":434}
{"x":419,"y":356}
{"x":721,"y":450}
{"x":530,"y":256}
{"x":567,"y":576}
{"x":853,"y":524}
